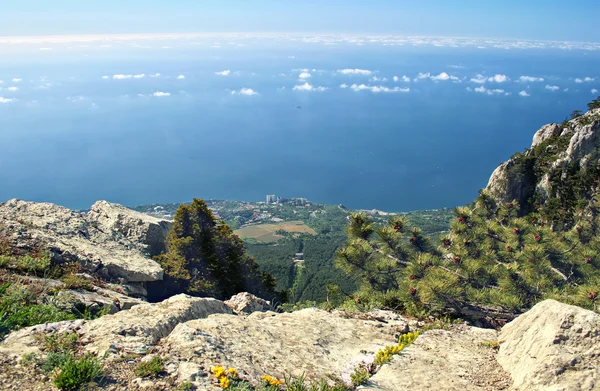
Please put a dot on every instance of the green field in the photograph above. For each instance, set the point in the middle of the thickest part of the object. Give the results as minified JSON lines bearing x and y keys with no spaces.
{"x":265,"y":233}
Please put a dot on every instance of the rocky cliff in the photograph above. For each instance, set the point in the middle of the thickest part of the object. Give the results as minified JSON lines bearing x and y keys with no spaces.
{"x":110,"y":240}
{"x":558,"y":152}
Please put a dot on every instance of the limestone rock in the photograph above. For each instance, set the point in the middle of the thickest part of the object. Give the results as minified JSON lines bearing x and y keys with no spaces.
{"x":134,"y":330}
{"x":72,"y":236}
{"x":505,"y":186}
{"x":553,"y":346}
{"x":149,"y":232}
{"x":311,"y":342}
{"x":546,"y":132}
{"x":246,"y":303}
{"x":452,"y":360}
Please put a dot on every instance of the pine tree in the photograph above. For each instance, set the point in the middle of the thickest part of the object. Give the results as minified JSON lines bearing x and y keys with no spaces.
{"x":205,"y":257}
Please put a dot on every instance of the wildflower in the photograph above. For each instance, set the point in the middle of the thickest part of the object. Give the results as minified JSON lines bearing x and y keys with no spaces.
{"x":232,"y":372}
{"x":219,"y":372}
{"x":272,"y":381}
{"x":224,"y":382}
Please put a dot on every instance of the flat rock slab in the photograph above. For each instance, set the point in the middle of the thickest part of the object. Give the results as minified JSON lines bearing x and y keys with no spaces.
{"x":442,"y":360}
{"x":309,"y":342}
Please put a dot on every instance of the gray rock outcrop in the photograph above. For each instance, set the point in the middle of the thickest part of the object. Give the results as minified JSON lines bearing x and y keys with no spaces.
{"x":552,"y":347}
{"x":506,"y":185}
{"x":111,"y":241}
{"x":246,"y":303}
{"x":149,"y":233}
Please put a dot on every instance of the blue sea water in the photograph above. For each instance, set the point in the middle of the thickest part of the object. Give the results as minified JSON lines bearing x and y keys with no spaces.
{"x":70,"y":136}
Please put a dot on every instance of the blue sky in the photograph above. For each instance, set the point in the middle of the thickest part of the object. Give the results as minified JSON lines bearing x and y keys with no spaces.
{"x":574,"y":20}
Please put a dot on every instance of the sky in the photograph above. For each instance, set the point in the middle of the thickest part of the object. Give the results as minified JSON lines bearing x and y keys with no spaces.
{"x":573,"y":20}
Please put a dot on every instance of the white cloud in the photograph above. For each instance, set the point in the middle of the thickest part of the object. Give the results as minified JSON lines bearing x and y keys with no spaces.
{"x":304,"y":75}
{"x":307,"y":87}
{"x":396,"y":78}
{"x":422,"y":75}
{"x":45,"y":49}
{"x":180,"y":77}
{"x":523,"y":93}
{"x":479,"y":79}
{"x":348,"y":71}
{"x":122,"y":77}
{"x":13,"y":89}
{"x":160,"y":94}
{"x":17,"y":80}
{"x":140,"y":76}
{"x":105,"y":77}
{"x":245,"y":91}
{"x":343,"y":85}
{"x":444,"y":76}
{"x":483,"y":90}
{"x":552,"y":88}
{"x":375,"y":78}
{"x":585,"y":79}
{"x":530,"y":79}
{"x":499,"y":78}
{"x":594,"y":91}
{"x":377,"y":89}
{"x":155,"y":75}
{"x":5,"y":100}
{"x":226,"y":72}
{"x":405,"y":79}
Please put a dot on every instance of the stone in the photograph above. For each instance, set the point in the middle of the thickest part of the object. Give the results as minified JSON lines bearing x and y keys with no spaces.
{"x":74,"y":237}
{"x":546,"y":132}
{"x":552,"y":347}
{"x":150,"y":233}
{"x":449,"y":360}
{"x":246,"y":303}
{"x":310,"y":342}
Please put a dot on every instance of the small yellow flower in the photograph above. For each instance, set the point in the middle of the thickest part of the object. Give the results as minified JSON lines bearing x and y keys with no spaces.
{"x":219,"y":372}
{"x":224,"y":382}
{"x":272,"y":381}
{"x":232,"y":372}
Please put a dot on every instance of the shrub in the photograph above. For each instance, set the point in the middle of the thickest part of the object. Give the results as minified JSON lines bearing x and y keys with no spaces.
{"x":26,"y":263}
{"x":185,"y":386}
{"x":18,"y":309}
{"x":73,"y":281}
{"x":55,"y":360}
{"x":59,"y":343}
{"x":360,"y":376}
{"x":150,"y":368}
{"x":74,"y":373}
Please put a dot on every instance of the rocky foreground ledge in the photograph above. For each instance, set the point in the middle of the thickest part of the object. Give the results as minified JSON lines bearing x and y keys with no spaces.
{"x":554,"y":346}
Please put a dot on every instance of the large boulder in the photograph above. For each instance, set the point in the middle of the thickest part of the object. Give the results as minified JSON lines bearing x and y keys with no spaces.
{"x":73,"y":236}
{"x":149,"y":233}
{"x":246,"y":303}
{"x":552,"y":347}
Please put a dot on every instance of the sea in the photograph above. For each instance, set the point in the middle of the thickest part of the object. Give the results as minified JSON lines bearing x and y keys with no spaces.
{"x":380,"y":122}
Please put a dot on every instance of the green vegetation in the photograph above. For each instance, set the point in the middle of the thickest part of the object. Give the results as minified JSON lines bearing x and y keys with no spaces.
{"x":19,"y":307}
{"x":154,"y":367}
{"x":205,"y":258}
{"x":74,"y":373}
